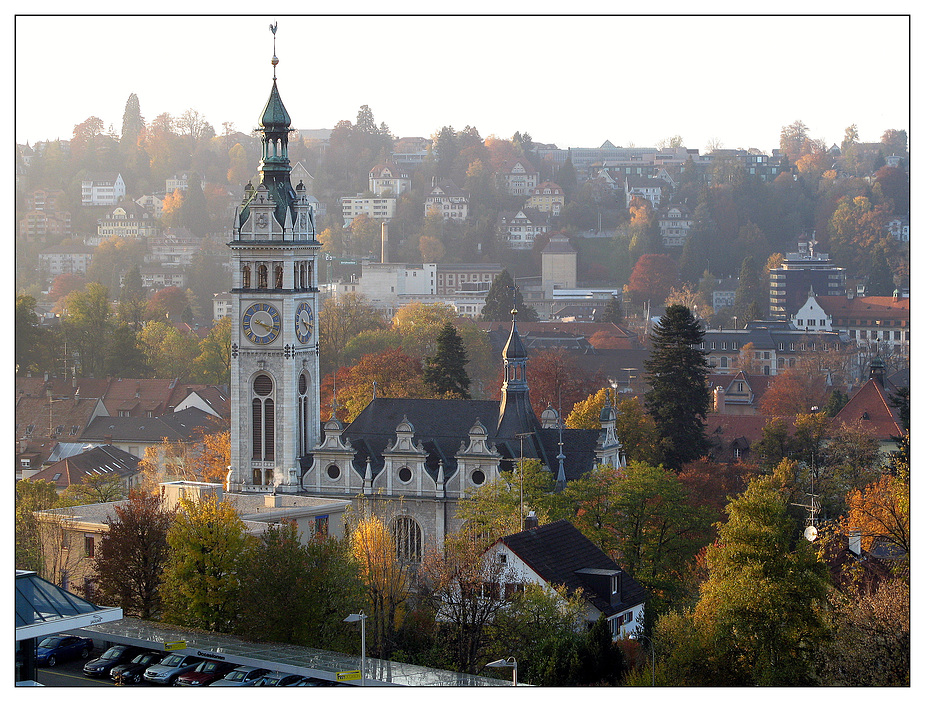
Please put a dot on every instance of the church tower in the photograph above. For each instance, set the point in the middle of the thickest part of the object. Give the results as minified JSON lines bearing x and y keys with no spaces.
{"x":275,"y":383}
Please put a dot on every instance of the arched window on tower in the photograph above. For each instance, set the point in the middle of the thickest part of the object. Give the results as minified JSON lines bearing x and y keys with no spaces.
{"x":246,"y":276}
{"x":302,"y":428}
{"x":262,"y":276}
{"x":408,"y":540}
{"x":263,"y":419}
{"x":278,"y":276}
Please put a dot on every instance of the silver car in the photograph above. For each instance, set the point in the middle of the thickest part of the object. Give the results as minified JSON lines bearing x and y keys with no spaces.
{"x":242,"y":676}
{"x":167,"y":671}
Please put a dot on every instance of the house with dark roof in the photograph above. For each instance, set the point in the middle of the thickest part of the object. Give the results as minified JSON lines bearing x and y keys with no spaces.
{"x":871,"y":409}
{"x":426,"y":454}
{"x":93,"y":460}
{"x":559,"y":554}
{"x":737,"y":394}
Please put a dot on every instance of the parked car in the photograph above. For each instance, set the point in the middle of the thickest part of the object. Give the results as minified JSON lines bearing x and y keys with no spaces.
{"x":278,"y":679}
{"x":174,"y":665}
{"x":131,"y":672}
{"x":205,"y":673}
{"x":54,"y":649}
{"x":114,"y":655}
{"x":242,"y":676}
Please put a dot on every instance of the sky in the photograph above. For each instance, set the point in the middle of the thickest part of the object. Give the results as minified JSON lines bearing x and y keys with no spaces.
{"x":567,"y":80}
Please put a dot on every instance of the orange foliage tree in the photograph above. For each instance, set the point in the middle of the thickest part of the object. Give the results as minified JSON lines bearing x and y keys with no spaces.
{"x":653,"y":277}
{"x":554,"y":374}
{"x":881,"y":511}
{"x":793,"y":392}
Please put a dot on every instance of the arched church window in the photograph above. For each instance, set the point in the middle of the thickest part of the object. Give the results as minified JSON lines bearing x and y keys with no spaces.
{"x":263,"y":419}
{"x":303,"y":416}
{"x":262,"y":274}
{"x":246,"y":276}
{"x":258,"y":476}
{"x":408,"y":539}
{"x":278,"y":276}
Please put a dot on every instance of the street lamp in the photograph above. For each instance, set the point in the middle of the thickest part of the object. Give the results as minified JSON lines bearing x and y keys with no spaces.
{"x":506,"y":663}
{"x":362,"y":619}
{"x":652,"y":647}
{"x":521,"y":471}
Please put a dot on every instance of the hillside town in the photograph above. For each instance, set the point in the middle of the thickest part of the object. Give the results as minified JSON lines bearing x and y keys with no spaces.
{"x":596,"y":414}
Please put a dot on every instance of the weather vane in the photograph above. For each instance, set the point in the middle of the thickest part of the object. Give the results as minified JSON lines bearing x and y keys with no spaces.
{"x":275,"y":60}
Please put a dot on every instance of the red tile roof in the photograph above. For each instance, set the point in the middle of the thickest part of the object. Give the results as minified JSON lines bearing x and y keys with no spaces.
{"x":871,"y":407}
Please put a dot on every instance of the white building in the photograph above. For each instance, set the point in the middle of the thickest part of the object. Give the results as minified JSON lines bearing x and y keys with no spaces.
{"x":374,"y":207}
{"x":102,"y":189}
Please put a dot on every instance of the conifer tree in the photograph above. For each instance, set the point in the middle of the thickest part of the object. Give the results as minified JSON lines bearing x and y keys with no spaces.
{"x":445,"y":371}
{"x":678,"y":399}
{"x":502,"y":297}
{"x":748,"y":294}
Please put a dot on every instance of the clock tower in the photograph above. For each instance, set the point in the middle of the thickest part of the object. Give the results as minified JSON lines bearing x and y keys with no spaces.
{"x":275,"y":383}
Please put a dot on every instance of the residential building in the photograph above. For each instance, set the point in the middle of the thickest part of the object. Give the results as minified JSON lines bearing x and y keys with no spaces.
{"x":374,"y":207}
{"x":776,"y":346}
{"x":102,"y":190}
{"x":898,"y":228}
{"x":39,"y":225}
{"x":871,"y":409}
{"x":557,"y":554}
{"x":93,"y":460}
{"x":876,"y":324}
{"x":675,"y":223}
{"x":221,"y":305}
{"x":519,"y":230}
{"x":410,"y":152}
{"x":159,"y":276}
{"x":177,"y":182}
{"x":389,"y":180}
{"x":135,"y":434}
{"x":452,"y":278}
{"x":546,"y":197}
{"x":127,"y":220}
{"x":173,"y":248}
{"x":447,"y":199}
{"x":583,"y":158}
{"x":732,"y":436}
{"x":518,"y":177}
{"x":737,"y":393}
{"x":69,"y":257}
{"x":152,"y":203}
{"x":800,"y":271}
{"x":650,"y":189}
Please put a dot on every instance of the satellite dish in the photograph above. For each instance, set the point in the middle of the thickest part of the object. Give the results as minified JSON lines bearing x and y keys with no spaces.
{"x":810,"y":533}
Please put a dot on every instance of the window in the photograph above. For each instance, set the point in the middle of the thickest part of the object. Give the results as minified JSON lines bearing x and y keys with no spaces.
{"x":88,"y":546}
{"x":263,"y":419}
{"x":477,"y":477}
{"x":333,"y":471}
{"x":408,"y":541}
{"x":320,"y":527}
{"x":405,"y":474}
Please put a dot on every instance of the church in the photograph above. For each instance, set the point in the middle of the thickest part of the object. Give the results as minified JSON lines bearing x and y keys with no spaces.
{"x":419,"y":457}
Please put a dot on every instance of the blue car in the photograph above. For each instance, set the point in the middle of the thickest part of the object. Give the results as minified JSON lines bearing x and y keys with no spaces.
{"x":54,"y":649}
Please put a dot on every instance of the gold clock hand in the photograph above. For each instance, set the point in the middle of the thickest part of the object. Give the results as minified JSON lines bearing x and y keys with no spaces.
{"x":262,"y":324}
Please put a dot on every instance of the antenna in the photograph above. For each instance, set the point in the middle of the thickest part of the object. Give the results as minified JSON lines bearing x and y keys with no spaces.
{"x":810,"y":532}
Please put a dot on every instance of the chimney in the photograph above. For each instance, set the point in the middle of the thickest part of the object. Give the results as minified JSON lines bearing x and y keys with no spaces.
{"x":719,"y":400}
{"x":384,"y":257}
{"x":273,"y":500}
{"x":107,"y":439}
{"x":531,"y":521}
{"x":854,"y":542}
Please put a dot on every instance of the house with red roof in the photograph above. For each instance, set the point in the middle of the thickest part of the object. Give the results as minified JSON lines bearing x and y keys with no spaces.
{"x":870,"y":407}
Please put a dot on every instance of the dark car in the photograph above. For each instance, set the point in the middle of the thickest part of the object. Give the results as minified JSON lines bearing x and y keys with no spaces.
{"x":279,"y":680}
{"x":242,"y":676}
{"x":170,"y":668}
{"x":131,"y":672}
{"x":100,"y":667}
{"x":205,"y":673}
{"x":54,"y":649}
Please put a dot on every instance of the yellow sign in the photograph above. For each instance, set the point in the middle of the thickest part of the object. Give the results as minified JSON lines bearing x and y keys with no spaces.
{"x":174,"y":645}
{"x":348,"y":675}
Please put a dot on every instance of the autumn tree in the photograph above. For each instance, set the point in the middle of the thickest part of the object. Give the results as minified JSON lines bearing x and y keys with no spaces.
{"x":213,"y":364}
{"x":64,"y":284}
{"x":132,"y":554}
{"x":793,"y":392}
{"x":31,"y":496}
{"x":652,"y":278}
{"x":678,"y":399}
{"x":133,"y":300}
{"x":341,"y":318}
{"x":168,"y":352}
{"x":556,"y":379}
{"x":201,"y":583}
{"x":94,"y":489}
{"x":880,"y":512}
{"x":167,"y":303}
{"x":635,"y":428}
{"x":87,"y":326}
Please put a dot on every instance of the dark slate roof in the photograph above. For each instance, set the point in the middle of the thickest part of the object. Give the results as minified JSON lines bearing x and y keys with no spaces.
{"x":185,"y":425}
{"x":442,"y":425}
{"x":557,"y":551}
{"x":100,"y":460}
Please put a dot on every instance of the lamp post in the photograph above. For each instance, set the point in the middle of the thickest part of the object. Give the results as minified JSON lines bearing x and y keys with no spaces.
{"x":362,"y":619}
{"x":520,"y":470}
{"x":506,"y":663}
{"x":652,"y":647}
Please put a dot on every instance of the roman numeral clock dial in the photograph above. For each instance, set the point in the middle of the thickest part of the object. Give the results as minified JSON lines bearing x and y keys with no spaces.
{"x":261,"y":323}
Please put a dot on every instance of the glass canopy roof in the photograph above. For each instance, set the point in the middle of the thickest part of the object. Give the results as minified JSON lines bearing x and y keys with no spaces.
{"x":43,"y":608}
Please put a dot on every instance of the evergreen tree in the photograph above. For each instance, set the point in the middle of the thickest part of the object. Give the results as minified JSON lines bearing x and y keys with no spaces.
{"x":502,"y":297}
{"x":678,"y":399}
{"x":613,"y":312}
{"x":567,"y":179}
{"x":132,"y":123}
{"x":445,"y":371}
{"x":880,"y":280}
{"x":748,"y":294}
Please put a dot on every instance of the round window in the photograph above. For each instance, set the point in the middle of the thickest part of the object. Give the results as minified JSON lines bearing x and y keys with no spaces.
{"x":478,"y":477}
{"x":263,"y":385}
{"x":333,"y":471}
{"x":404,"y":474}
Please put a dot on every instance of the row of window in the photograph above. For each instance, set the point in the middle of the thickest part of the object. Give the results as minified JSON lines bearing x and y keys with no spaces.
{"x":302,"y":275}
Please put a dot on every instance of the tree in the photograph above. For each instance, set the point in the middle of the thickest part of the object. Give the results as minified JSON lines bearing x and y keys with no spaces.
{"x":613,"y":312}
{"x":341,"y":318}
{"x":133,"y":124}
{"x":87,"y":327}
{"x":652,"y":278}
{"x":32,"y":496}
{"x":635,"y":428}
{"x":64,"y":284}
{"x":94,"y":489}
{"x":793,"y":392}
{"x":556,"y":379}
{"x":240,"y":169}
{"x":34,"y":349}
{"x":748,"y":299}
{"x":132,"y":299}
{"x":201,"y":583}
{"x":124,"y":358}
{"x":880,"y":512}
{"x":759,"y":567}
{"x":445,"y":371}
{"x":132,"y":554}
{"x":167,"y":303}
{"x":168,"y":352}
{"x":678,"y":399}
{"x":213,"y":364}
{"x":504,"y":296}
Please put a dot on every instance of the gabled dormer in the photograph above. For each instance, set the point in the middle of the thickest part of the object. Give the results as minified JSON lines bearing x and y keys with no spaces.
{"x":403,"y":470}
{"x":477,"y":463}
{"x":332,"y":468}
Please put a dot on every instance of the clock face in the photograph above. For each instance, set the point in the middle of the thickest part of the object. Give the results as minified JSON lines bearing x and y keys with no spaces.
{"x":261,"y":323}
{"x":304,"y":322}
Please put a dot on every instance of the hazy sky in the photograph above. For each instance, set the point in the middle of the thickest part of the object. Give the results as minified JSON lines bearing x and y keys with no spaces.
{"x":572,"y":81}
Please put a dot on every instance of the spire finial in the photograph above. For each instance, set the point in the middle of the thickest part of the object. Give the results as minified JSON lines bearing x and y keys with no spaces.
{"x":275,"y":60}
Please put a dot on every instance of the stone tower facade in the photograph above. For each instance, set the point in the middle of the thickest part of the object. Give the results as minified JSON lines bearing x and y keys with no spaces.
{"x":275,"y":420}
